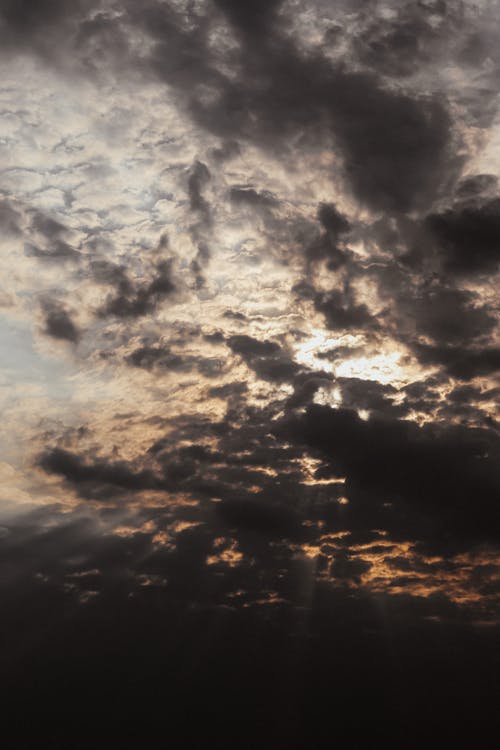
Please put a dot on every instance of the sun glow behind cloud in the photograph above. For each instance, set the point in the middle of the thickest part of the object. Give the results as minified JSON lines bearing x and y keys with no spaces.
{"x":386,"y":368}
{"x":320,"y":341}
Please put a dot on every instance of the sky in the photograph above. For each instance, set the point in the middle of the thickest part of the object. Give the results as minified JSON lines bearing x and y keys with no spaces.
{"x":250,"y":346}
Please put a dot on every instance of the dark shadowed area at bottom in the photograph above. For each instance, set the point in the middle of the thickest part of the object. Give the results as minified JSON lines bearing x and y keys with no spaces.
{"x":156,"y":672}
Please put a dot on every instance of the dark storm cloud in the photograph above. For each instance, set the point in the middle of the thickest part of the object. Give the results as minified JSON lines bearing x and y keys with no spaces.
{"x":47,"y":226}
{"x":229,"y":390}
{"x":469,"y":404}
{"x":160,"y":358}
{"x":58,"y":322}
{"x":397,"y":48}
{"x":348,"y":567}
{"x":325,"y":247}
{"x":415,"y":35}
{"x":448,"y":326}
{"x":386,"y":134}
{"x":469,"y":236}
{"x":150,"y":357}
{"x":41,"y":27}
{"x":475,"y":185}
{"x":280,"y":92}
{"x":250,"y":18}
{"x":342,"y":311}
{"x":97,"y":478}
{"x":194,"y":468}
{"x":332,"y":220}
{"x":51,"y":234}
{"x":199,"y":178}
{"x":45,"y":237}
{"x":277,"y":92}
{"x":441,"y":485}
{"x":134,"y":299}
{"x":105,"y":272}
{"x":251,"y":197}
{"x":235,"y":315}
{"x":58,"y":251}
{"x":249,"y":347}
{"x":266,"y":358}
{"x":239,"y":474}
{"x":329,"y":244}
{"x":450,"y":316}
{"x":376,"y":398}
{"x":85,"y":37}
{"x":262,"y":516}
{"x":461,"y":363}
{"x":226,"y":151}
{"x":27,"y":18}
{"x":448,"y":474}
{"x":305,"y":386}
{"x":425,"y":307}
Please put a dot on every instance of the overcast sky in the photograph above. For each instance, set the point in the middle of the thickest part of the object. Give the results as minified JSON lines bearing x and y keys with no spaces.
{"x":250,"y":350}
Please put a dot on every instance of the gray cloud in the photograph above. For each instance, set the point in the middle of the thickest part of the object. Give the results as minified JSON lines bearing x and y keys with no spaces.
{"x":58,"y":322}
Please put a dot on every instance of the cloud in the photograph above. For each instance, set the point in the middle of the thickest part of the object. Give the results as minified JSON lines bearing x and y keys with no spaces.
{"x":266,"y":358}
{"x":251,"y":197}
{"x":469,"y":237}
{"x":198,"y":178}
{"x":249,"y":347}
{"x":250,"y":19}
{"x":342,"y":312}
{"x":280,"y":93}
{"x":449,"y":474}
{"x":159,"y":358}
{"x":261,"y":516}
{"x":451,"y":315}
{"x":51,"y":234}
{"x":332,"y":220}
{"x":98,"y":478}
{"x":134,"y":300}
{"x":58,"y":322}
{"x":42,"y":28}
{"x":271,"y":229}
{"x":9,"y":218}
{"x":149,"y":357}
{"x":462,"y":363}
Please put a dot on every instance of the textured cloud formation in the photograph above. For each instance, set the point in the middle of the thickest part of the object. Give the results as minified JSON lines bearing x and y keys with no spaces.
{"x":250,"y":357}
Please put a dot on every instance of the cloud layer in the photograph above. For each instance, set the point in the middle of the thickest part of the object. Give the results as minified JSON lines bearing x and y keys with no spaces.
{"x":251,"y":352}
